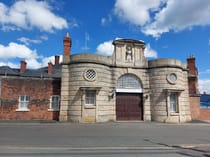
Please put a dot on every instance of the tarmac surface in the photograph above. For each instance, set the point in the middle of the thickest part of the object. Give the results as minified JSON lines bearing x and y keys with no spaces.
{"x":47,"y":138}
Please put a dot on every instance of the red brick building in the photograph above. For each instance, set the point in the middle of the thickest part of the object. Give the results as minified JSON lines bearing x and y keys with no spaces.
{"x":30,"y":94}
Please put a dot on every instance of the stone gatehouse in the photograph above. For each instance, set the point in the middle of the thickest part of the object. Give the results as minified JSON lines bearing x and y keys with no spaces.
{"x":124,"y":86}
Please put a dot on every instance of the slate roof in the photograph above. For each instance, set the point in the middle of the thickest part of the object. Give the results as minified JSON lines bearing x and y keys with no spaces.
{"x":37,"y":73}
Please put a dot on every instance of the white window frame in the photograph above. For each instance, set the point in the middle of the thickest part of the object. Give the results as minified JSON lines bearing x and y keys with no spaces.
{"x":23,"y":104}
{"x":90,"y":98}
{"x":53,"y":108}
{"x":174,"y":102}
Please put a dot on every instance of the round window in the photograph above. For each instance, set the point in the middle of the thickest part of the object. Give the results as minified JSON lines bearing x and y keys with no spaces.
{"x":90,"y":75}
{"x":172,"y":78}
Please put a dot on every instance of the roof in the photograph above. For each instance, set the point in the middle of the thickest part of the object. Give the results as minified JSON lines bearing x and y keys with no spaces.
{"x":6,"y":70}
{"x":41,"y":72}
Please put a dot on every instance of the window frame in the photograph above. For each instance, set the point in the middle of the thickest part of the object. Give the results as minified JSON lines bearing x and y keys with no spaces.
{"x":90,"y":95}
{"x":53,"y":108}
{"x":173,"y":103}
{"x":23,"y":105}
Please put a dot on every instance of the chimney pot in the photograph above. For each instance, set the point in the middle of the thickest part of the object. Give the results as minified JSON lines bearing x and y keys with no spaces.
{"x":57,"y":59}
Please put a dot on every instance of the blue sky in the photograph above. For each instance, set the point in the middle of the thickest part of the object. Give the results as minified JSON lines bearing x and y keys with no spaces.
{"x":33,"y":30}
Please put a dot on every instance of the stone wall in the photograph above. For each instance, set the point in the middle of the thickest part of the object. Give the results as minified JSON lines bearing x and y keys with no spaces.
{"x":39,"y":91}
{"x":78,"y":84}
{"x":105,"y":83}
{"x":161,"y":87}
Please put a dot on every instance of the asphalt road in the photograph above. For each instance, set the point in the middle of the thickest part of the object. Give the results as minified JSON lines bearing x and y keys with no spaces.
{"x":104,"y":139}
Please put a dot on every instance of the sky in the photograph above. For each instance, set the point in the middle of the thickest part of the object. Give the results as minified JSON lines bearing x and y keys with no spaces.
{"x":33,"y":30}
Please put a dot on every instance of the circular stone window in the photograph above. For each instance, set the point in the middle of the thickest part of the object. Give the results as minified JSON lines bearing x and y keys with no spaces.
{"x":172,"y":78}
{"x":90,"y":75}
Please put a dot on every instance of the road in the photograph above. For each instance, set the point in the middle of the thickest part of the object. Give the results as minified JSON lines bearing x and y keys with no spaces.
{"x":104,"y":139}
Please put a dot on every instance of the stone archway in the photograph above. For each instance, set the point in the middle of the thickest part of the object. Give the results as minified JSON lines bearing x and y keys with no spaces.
{"x":129,"y":104}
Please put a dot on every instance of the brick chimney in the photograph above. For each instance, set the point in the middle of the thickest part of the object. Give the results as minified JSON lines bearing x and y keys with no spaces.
{"x":67,"y":44}
{"x":66,"y":48}
{"x":192,"y":75}
{"x":22,"y":66}
{"x":50,"y":68}
{"x":57,"y":59}
{"x":191,"y":65}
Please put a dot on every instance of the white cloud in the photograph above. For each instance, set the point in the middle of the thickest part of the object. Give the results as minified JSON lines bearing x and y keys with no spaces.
{"x":33,"y":63}
{"x":136,"y":11}
{"x":28,"y":41}
{"x":179,"y":15}
{"x":51,"y":59}
{"x":106,"y":48}
{"x":43,"y":37}
{"x":149,"y":52}
{"x":26,"y":14}
{"x":14,"y":50}
{"x":155,"y":17}
{"x":204,"y":86}
{"x":209,"y":42}
{"x":22,"y":52}
{"x":106,"y":20}
{"x":73,"y":23}
{"x":10,"y":64}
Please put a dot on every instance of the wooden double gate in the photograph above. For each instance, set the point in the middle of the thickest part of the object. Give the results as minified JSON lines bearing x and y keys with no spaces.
{"x":129,"y":106}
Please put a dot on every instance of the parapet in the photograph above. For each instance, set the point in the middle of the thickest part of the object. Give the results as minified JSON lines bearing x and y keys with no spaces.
{"x":159,"y":63}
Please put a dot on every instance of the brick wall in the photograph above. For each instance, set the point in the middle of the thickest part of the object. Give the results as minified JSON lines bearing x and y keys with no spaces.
{"x":39,"y":91}
{"x":195,"y":106}
{"x":193,"y":84}
{"x":204,"y":114}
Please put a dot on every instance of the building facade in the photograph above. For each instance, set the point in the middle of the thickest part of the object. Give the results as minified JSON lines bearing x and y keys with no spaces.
{"x":124,"y":86}
{"x":94,"y":88}
{"x":30,"y":94}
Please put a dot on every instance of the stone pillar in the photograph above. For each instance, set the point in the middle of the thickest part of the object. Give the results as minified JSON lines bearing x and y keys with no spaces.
{"x":64,"y":105}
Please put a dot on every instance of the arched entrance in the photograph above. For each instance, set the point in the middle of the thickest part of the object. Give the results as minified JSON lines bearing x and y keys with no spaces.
{"x":129,"y":104}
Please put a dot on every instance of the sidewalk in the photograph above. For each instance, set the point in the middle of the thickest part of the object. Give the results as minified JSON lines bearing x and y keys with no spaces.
{"x":200,"y":122}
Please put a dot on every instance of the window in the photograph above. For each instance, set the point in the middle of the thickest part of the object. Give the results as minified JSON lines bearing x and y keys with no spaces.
{"x":90,"y":97}
{"x":24,"y":103}
{"x":55,"y":102}
{"x":90,"y":74}
{"x":128,"y":81}
{"x":173,"y":102}
{"x":172,"y":78}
